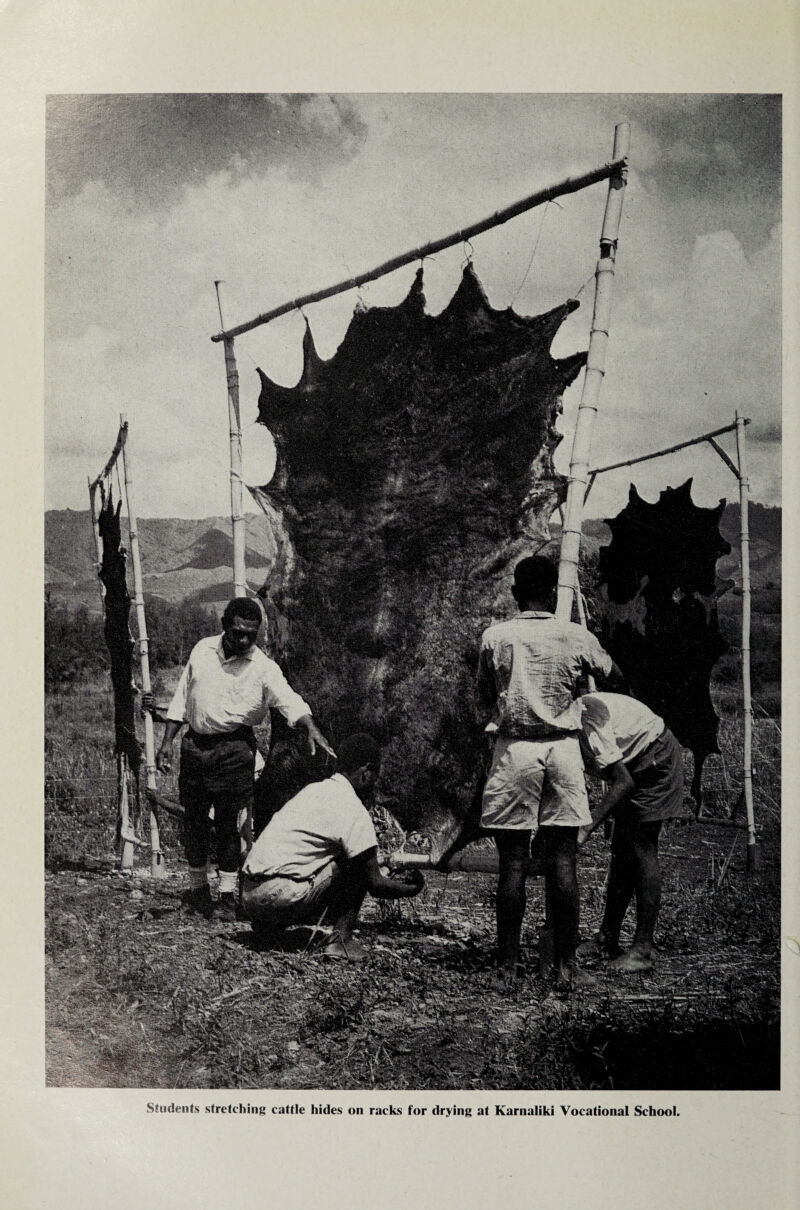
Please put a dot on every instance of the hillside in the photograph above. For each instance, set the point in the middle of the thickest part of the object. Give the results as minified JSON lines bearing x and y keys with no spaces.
{"x":180,"y":558}
{"x":193,"y":558}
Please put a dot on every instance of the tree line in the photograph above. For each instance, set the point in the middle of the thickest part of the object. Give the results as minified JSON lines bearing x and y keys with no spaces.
{"x":75,"y":645}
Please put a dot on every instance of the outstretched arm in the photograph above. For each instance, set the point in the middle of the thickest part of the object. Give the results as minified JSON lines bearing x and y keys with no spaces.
{"x":386,"y":888}
{"x":620,"y":784}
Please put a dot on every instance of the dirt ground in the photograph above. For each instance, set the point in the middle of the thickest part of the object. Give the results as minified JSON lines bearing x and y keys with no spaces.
{"x":141,"y":995}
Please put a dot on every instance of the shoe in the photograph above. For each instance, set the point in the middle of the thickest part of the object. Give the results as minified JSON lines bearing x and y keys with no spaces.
{"x":226,"y":908}
{"x":198,"y":901}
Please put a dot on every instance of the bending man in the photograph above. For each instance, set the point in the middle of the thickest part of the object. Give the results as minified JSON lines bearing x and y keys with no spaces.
{"x":637,"y":754}
{"x":528,"y":675}
{"x":318,"y":856}
{"x":226,"y":688}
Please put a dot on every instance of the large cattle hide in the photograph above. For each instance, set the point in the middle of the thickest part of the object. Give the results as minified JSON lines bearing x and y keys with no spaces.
{"x":413,"y":469}
{"x":660,"y":617}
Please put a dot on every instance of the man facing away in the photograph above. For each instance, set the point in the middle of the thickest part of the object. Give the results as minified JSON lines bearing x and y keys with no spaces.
{"x":317,"y":857}
{"x":226,"y":689}
{"x":637,"y":754}
{"x":528,"y":673}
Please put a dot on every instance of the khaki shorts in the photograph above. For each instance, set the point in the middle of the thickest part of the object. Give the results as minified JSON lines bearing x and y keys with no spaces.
{"x":536,"y":783}
{"x":284,"y":901}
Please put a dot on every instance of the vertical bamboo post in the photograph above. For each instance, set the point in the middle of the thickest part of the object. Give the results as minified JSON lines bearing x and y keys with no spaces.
{"x":744,"y":498}
{"x":156,"y":856}
{"x":595,"y":369}
{"x":235,"y":430}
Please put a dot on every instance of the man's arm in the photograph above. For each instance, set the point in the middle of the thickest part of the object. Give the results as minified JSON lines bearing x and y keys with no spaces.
{"x":366,"y":868}
{"x":620,"y":784}
{"x":314,"y":736}
{"x":164,"y":754}
{"x":176,"y":713}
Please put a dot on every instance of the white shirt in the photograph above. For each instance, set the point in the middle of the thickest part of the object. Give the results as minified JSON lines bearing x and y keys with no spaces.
{"x":616,"y":727}
{"x":216,"y":694}
{"x":323,"y":821}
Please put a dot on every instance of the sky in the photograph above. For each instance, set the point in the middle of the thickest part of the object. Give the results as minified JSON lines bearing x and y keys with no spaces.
{"x":150,"y":199}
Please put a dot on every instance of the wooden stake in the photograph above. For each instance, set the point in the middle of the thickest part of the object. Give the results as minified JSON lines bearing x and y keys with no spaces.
{"x":744,"y":497}
{"x":235,"y":430}
{"x":570,"y":185}
{"x":156,"y":856}
{"x":595,"y":369}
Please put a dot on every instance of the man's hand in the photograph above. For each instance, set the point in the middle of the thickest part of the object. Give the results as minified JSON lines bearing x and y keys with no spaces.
{"x":414,"y":878}
{"x":164,"y":759}
{"x":314,"y":737}
{"x":148,"y":703}
{"x":584,"y":834}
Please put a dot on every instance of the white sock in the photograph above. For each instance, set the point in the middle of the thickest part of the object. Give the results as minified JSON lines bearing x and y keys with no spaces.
{"x":228,"y":882}
{"x":198,"y":877}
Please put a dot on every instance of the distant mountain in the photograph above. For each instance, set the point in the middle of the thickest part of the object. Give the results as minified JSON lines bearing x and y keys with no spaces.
{"x":193,"y":558}
{"x":180,"y":558}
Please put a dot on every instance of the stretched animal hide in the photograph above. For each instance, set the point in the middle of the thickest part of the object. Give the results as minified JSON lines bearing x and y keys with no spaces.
{"x":660,"y":617}
{"x":413,"y":469}
{"x":117,"y":632}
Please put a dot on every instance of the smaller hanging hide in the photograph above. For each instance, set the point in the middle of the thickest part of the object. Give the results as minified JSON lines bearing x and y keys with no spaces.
{"x":117,"y":632}
{"x":660,"y":617}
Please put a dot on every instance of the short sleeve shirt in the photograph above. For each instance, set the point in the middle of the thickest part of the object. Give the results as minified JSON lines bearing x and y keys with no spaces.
{"x":616,"y":727}
{"x":325,"y":821}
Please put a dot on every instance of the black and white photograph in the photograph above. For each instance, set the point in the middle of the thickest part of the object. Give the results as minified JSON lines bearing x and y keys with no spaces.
{"x":398,"y":694}
{"x":413,"y":589}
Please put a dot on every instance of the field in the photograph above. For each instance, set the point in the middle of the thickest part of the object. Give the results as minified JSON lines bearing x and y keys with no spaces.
{"x":139,"y":995}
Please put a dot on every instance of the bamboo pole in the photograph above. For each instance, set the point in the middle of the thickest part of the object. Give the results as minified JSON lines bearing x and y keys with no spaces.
{"x":235,"y":432}
{"x":156,"y":855}
{"x":744,"y":497}
{"x":569,"y":185}
{"x":670,"y":449}
{"x":595,"y":369}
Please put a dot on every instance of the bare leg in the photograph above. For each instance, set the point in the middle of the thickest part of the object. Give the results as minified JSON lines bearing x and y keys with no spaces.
{"x":643,"y":856}
{"x":344,"y":906}
{"x":512,"y":848}
{"x":561,"y":886}
{"x":621,"y":885}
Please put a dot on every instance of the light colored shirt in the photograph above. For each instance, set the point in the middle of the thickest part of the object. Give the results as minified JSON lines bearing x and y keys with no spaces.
{"x":529,"y":668}
{"x":216,"y":694}
{"x":616,"y":727}
{"x":324,"y":821}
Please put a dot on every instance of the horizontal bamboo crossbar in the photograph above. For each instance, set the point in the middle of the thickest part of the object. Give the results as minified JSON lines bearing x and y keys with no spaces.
{"x":569,"y":185}
{"x":670,"y":449}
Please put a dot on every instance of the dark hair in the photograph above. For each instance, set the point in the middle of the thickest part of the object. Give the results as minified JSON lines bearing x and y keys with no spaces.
{"x":535,"y":577}
{"x":244,"y":608}
{"x":357,"y":750}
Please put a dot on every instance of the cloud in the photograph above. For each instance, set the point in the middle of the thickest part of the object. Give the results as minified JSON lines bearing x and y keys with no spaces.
{"x":286,"y":195}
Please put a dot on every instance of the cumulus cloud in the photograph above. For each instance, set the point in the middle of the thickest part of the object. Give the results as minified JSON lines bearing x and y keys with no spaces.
{"x":332,"y":186}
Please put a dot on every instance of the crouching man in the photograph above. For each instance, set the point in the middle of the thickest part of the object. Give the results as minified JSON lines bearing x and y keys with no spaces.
{"x":318,"y":856}
{"x":633,"y":750}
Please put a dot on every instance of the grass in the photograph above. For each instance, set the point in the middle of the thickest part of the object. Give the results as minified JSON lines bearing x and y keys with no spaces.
{"x":138,"y":995}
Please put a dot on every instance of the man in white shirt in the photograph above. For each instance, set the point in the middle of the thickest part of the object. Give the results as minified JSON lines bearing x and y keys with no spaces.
{"x":635,"y":752}
{"x":528,"y":673}
{"x":226,"y":688}
{"x":318,"y":856}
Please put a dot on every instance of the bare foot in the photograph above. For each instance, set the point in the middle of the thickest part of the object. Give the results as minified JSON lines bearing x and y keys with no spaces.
{"x":344,"y":948}
{"x":570,"y":977}
{"x":597,"y":947}
{"x":633,"y":962}
{"x":505,"y":977}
